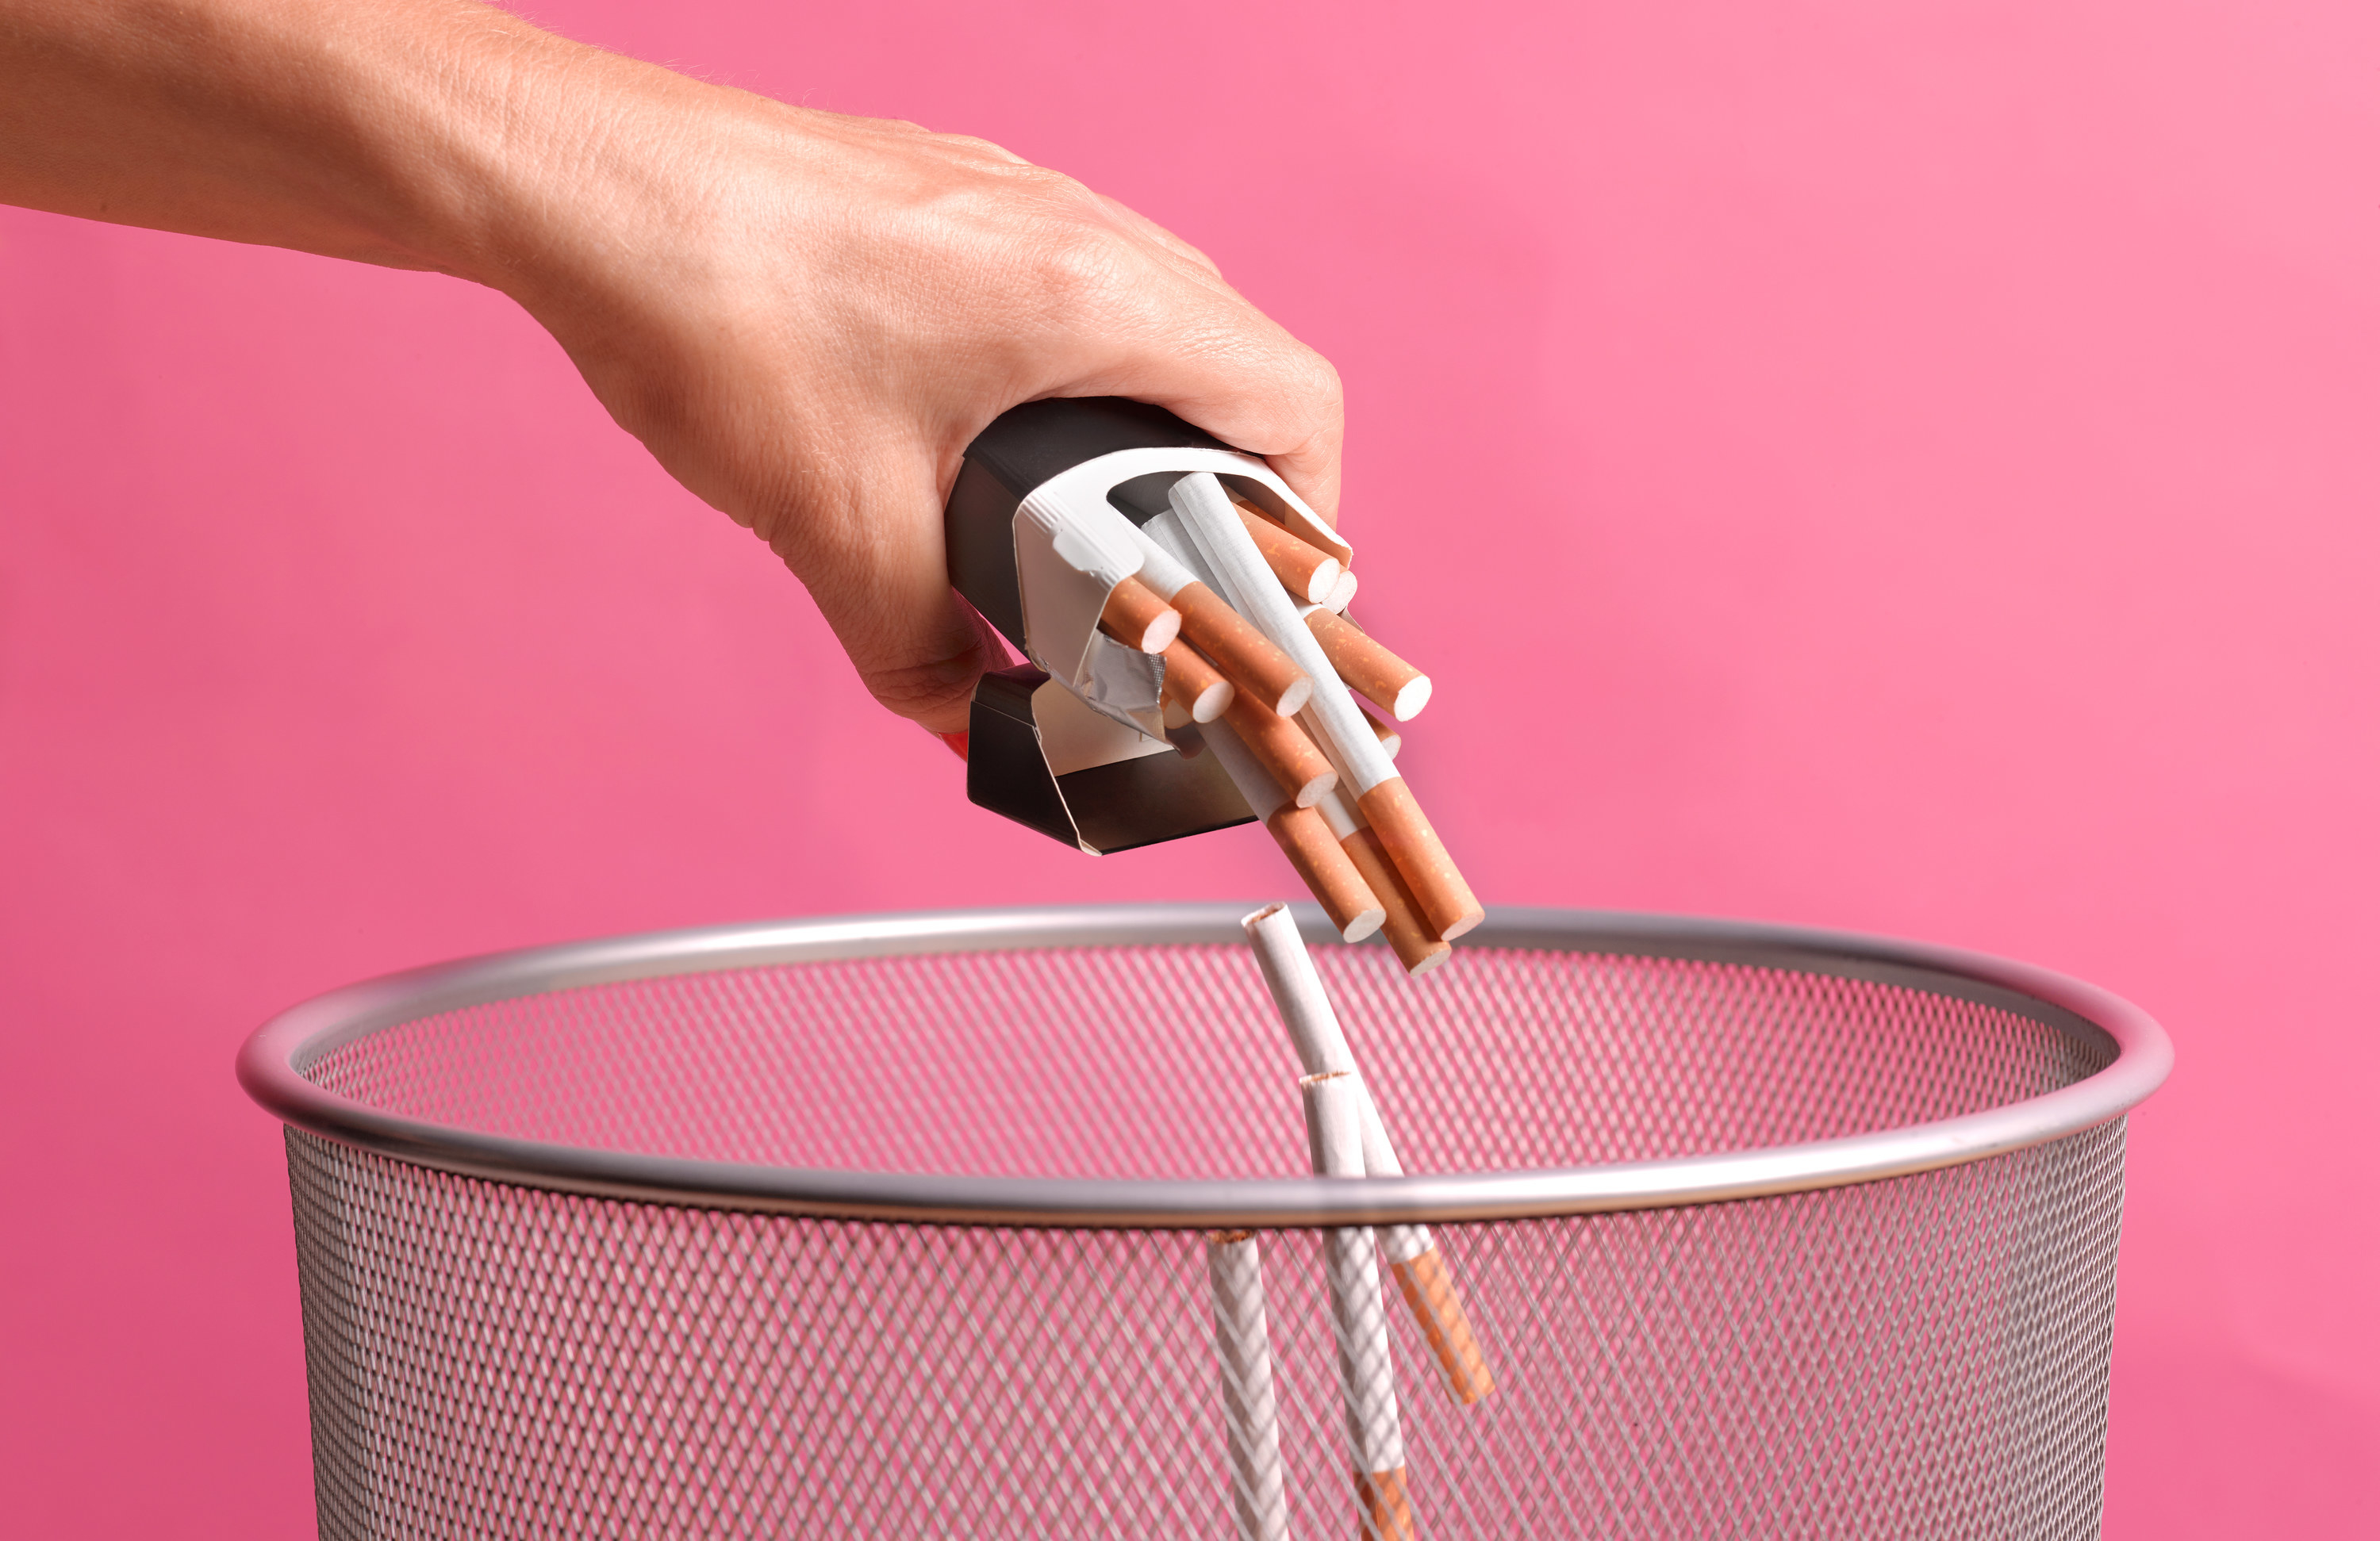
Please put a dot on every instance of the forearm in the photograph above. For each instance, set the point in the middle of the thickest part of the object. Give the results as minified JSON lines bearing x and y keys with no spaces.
{"x":411,"y":133}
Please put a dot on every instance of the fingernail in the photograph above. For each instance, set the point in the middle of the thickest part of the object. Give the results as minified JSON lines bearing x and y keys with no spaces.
{"x":957,"y":741}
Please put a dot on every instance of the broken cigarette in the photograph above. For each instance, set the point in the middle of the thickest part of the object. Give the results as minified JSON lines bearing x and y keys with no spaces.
{"x":1251,"y":1413}
{"x":1368,"y":1390}
{"x":1321,"y":1045}
{"x":1320,"y":858}
{"x":1307,"y":573}
{"x":1195,"y":684}
{"x":1248,"y":659}
{"x":1374,"y":672}
{"x":1135,"y":616}
{"x":1281,"y":746}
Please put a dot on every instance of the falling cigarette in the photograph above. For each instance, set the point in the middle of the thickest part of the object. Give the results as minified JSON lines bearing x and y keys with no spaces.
{"x":1307,"y":573}
{"x":1195,"y":684}
{"x":1138,"y":618}
{"x":1310,"y":843}
{"x":1251,"y":1415}
{"x":1412,"y":846}
{"x":1252,"y":662}
{"x":1368,"y":1390}
{"x":1282,"y":746}
{"x":1390,"y":740}
{"x":1421,"y":1272}
{"x":1372,"y":671}
{"x":1342,"y":594}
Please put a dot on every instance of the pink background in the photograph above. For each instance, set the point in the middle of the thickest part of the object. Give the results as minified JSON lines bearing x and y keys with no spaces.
{"x":1940,"y":451}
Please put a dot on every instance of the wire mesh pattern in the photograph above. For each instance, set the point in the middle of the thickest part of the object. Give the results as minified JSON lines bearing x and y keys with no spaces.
{"x":1921,"y":1356}
{"x":1169,"y":1061}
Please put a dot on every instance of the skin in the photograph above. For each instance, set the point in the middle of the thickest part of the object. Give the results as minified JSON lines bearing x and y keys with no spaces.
{"x":805,"y":317}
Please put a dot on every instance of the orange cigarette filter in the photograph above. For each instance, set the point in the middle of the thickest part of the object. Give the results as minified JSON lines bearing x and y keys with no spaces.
{"x":1429,"y":1292}
{"x":1196,"y":686}
{"x":1246,"y":656}
{"x":1402,"y":925}
{"x":1281,"y":746}
{"x":1371,"y":670}
{"x":1135,"y":616}
{"x":1307,"y":573}
{"x":1386,"y":1506}
{"x":1446,"y":901}
{"x":1329,"y":876}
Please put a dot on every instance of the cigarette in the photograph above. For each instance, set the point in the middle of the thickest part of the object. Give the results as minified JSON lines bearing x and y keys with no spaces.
{"x":1374,"y":672}
{"x":1428,"y":1288}
{"x":1248,"y":658}
{"x":1328,"y":875}
{"x":1251,"y":1413}
{"x":1196,"y":684}
{"x":1387,"y":805}
{"x":1307,"y":573}
{"x":1213,"y":524}
{"x":1390,"y":740}
{"x":1135,"y":616}
{"x":1281,"y":746}
{"x":1420,"y":1268}
{"x":1402,"y":925}
{"x":1244,"y":655}
{"x":1310,"y":843}
{"x":1342,"y":594}
{"x":1368,"y":1390}
{"x":1419,"y":857}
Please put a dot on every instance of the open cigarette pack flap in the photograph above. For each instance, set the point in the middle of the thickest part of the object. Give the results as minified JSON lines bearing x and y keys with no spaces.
{"x":1076,"y":744}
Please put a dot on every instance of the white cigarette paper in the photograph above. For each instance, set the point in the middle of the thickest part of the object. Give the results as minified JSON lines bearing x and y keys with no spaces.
{"x":1367,"y":1391}
{"x":1251,"y":1413}
{"x":1321,"y":1045}
{"x":1213,"y":526}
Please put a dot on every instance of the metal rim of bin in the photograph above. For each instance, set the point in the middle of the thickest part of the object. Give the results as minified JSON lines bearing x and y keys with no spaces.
{"x":270,"y":1060}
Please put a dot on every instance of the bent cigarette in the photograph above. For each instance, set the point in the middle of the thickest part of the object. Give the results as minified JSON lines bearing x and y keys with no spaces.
{"x":1251,"y":1411}
{"x":1309,"y":575}
{"x":1390,"y":740}
{"x":1342,"y":594}
{"x":1446,"y":901}
{"x":1315,"y":1032}
{"x":1374,"y":672}
{"x":1367,"y":1391}
{"x":1281,"y":746}
{"x":1252,"y":662}
{"x":1195,"y":684}
{"x":1135,"y":616}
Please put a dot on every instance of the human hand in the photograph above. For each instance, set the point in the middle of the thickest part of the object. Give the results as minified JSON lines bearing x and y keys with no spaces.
{"x":806,"y":317}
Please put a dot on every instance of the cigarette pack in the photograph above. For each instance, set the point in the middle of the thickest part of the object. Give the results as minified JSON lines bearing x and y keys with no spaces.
{"x":1039,"y":531}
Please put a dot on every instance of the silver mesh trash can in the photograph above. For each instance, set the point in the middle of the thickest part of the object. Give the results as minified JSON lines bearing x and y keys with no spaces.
{"x":894,"y":1226}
